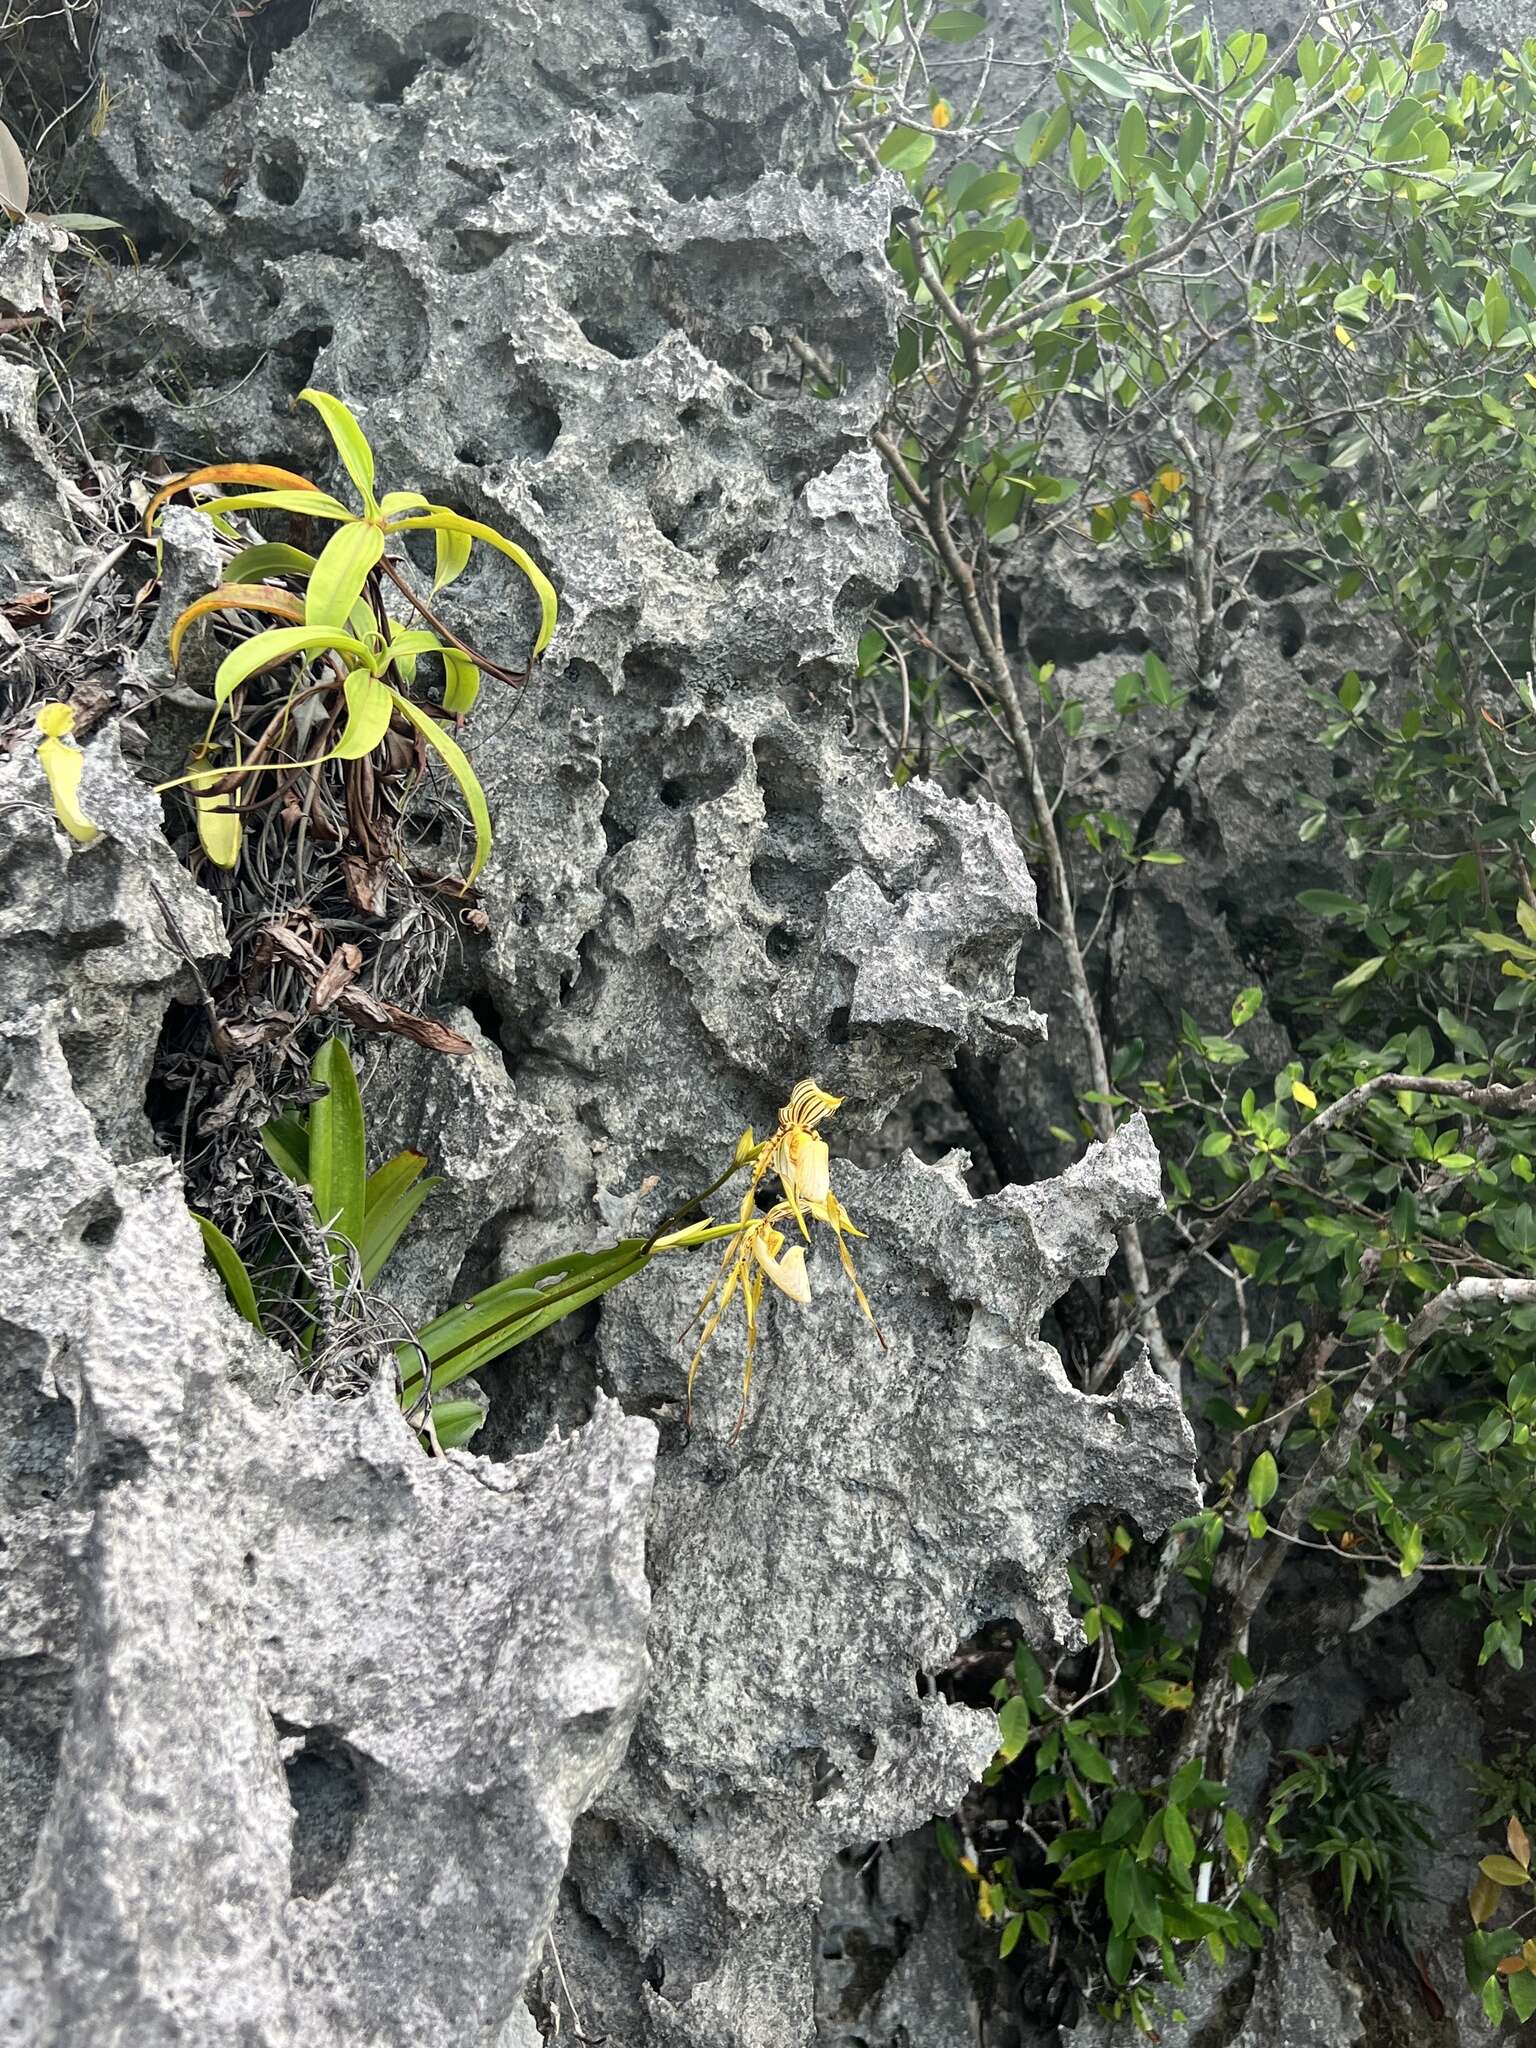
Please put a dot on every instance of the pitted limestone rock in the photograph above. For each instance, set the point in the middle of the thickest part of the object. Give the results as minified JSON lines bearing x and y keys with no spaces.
{"x":296,"y":1720}
{"x":550,"y":254}
{"x":879,"y":1506}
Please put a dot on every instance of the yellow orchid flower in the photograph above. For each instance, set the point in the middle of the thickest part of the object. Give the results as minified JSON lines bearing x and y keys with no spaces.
{"x":795,"y":1153}
{"x":62,"y":762}
{"x":755,"y":1250}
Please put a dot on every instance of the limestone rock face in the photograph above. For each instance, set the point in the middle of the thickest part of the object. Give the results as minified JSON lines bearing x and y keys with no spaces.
{"x":549,"y":254}
{"x":296,"y":1721}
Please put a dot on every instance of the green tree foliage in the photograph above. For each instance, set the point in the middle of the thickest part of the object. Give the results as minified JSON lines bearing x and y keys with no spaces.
{"x":1192,"y":305}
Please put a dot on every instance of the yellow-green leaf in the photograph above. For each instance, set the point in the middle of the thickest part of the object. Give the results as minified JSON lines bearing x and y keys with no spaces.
{"x":218,"y":821}
{"x":337,"y":579}
{"x":1263,"y":1478}
{"x":457,"y":764}
{"x":269,"y":558}
{"x":1504,"y":1870}
{"x":351,"y":442}
{"x":1366,"y":971}
{"x":313,"y":504}
{"x":287,"y":480}
{"x":369,"y":710}
{"x":62,"y":763}
{"x":462,"y":683}
{"x":440,"y":519}
{"x":453,"y":551}
{"x":265,"y":650}
{"x":400,"y":501}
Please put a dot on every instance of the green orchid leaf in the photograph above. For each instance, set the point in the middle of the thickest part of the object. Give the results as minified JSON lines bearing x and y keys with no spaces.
{"x":455,"y":1422}
{"x":369,"y":710}
{"x":387,"y":1182}
{"x":414,"y":641}
{"x":279,"y":643}
{"x":442,"y":520}
{"x":457,"y":764}
{"x":83,"y":223}
{"x":268,"y":558}
{"x":393,"y":502}
{"x":232,"y":1269}
{"x":461,"y":684}
{"x":313,"y":504}
{"x":351,"y":442}
{"x":515,"y":1309}
{"x":385,"y":1221}
{"x":337,"y":579}
{"x":286,"y":1142}
{"x":337,"y":1146}
{"x":453,"y":552}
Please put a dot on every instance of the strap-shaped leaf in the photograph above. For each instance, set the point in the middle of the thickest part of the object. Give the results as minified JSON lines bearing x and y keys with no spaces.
{"x":337,"y":579}
{"x":462,"y":683}
{"x":517,"y":1308}
{"x":455,"y":1422}
{"x":236,"y":597}
{"x":83,"y":223}
{"x":313,"y":504}
{"x":390,"y":1180}
{"x":229,"y":473}
{"x":218,"y":819}
{"x":280,"y":643}
{"x":386,"y":1221}
{"x":286,"y":1139}
{"x":369,"y":710}
{"x":269,"y":558}
{"x":351,"y":442}
{"x":457,"y":764}
{"x":453,"y":551}
{"x":441,"y":520}
{"x":338,"y":1170}
{"x":232,"y":1269}
{"x":400,"y":501}
{"x":411,"y":641}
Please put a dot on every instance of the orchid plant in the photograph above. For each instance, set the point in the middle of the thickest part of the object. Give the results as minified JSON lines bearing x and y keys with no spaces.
{"x":351,"y":665}
{"x":356,"y":1218}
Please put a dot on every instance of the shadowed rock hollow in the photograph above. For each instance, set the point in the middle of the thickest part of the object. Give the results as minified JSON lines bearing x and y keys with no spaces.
{"x":305,"y":1721}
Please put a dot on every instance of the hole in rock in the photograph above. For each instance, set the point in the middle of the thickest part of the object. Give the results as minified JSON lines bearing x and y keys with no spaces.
{"x":102,"y":1227}
{"x":1291,"y":632}
{"x":837,"y":1025}
{"x":1275,"y":575}
{"x":612,"y":341}
{"x":397,"y":81}
{"x":781,"y":943}
{"x":269,"y":31}
{"x":452,"y":39}
{"x":328,"y":1791}
{"x":1067,"y":645}
{"x":280,"y":172}
{"x":634,"y":462}
{"x":472,"y":249}
{"x":482,"y":1008}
